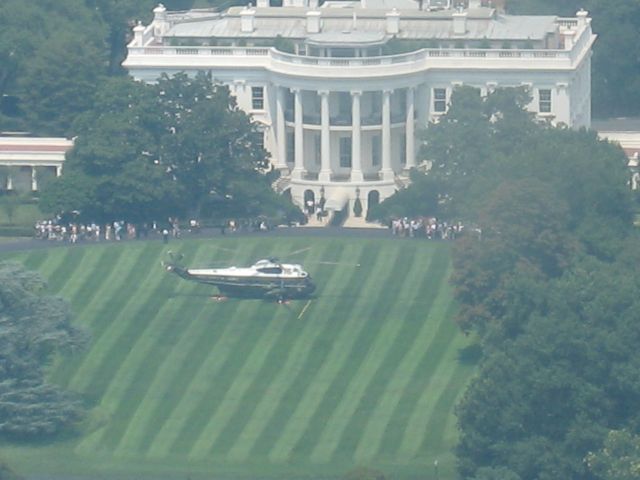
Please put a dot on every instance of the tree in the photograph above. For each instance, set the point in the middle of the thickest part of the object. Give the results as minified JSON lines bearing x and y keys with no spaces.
{"x":48,"y":52}
{"x":10,"y":203}
{"x":550,"y":290}
{"x":619,"y":458}
{"x":34,"y":327}
{"x":179,"y":147}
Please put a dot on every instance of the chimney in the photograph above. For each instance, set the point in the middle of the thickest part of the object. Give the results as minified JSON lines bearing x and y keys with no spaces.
{"x":262,"y":4}
{"x":459,"y":23}
{"x":138,"y":33}
{"x":393,"y":22}
{"x":160,"y":23}
{"x":314,"y":21}
{"x":247,"y":20}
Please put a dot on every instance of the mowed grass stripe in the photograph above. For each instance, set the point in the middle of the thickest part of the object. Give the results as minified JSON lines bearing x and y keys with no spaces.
{"x":104,"y":265}
{"x":168,"y":361}
{"x":34,"y":259}
{"x":66,"y":269}
{"x":263,"y":383}
{"x":226,"y":375}
{"x":425,"y":403}
{"x":79,"y":292}
{"x":114,"y":320}
{"x":284,"y":370}
{"x":52,"y":263}
{"x":86,"y":267}
{"x":379,"y":356}
{"x":374,"y":316}
{"x":172,"y":316}
{"x":103,"y":308}
{"x":324,"y":310}
{"x":275,"y":319}
{"x":123,"y":353}
{"x":304,"y":414}
{"x":434,"y":433}
{"x":192,"y":411}
{"x":228,"y":321}
{"x":205,"y":445}
{"x":426,"y":367}
{"x":409,"y":349}
{"x":124,"y":380}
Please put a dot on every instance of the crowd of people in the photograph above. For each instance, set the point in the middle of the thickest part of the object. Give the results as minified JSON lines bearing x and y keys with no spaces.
{"x":430,"y":228}
{"x":72,"y":231}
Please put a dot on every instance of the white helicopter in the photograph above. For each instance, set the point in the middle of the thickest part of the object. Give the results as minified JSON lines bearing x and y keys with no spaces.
{"x":267,"y":278}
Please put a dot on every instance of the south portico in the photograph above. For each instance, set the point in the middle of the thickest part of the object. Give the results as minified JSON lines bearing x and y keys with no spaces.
{"x":344,"y":140}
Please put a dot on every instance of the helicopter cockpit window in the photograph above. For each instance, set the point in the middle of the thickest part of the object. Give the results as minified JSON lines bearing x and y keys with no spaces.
{"x":271,"y":270}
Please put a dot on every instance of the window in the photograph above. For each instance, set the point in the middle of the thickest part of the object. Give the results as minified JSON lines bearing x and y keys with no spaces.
{"x":544,"y":100}
{"x":257,"y":98}
{"x":439,"y":100}
{"x":291,"y":147}
{"x":317,"y":151}
{"x":345,"y":152}
{"x":376,"y":150}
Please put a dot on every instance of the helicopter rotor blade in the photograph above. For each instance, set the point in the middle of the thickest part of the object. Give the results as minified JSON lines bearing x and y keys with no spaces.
{"x":295,"y":252}
{"x":344,"y":264}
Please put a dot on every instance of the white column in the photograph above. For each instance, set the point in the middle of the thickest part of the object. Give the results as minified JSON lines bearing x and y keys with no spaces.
{"x":561,"y":104}
{"x":58,"y":170}
{"x":281,"y":136}
{"x":410,"y":130}
{"x":356,"y":141}
{"x":325,"y":139}
{"x":298,"y":168}
{"x":34,"y":179}
{"x":387,"y":172}
{"x":9,"y":181}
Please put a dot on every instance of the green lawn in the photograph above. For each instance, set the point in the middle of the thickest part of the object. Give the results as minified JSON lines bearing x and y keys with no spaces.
{"x":182,"y":385}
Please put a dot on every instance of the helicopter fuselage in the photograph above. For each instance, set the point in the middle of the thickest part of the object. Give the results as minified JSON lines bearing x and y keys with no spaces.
{"x":265,"y":278}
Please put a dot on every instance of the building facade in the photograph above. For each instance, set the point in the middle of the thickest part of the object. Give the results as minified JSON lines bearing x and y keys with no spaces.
{"x":341,"y":90}
{"x":26,"y":162}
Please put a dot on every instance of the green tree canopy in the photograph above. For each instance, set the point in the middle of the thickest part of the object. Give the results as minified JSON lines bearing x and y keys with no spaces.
{"x":181,"y":146}
{"x":34,"y":327}
{"x":550,"y":289}
{"x":52,"y":57}
{"x":619,"y":459}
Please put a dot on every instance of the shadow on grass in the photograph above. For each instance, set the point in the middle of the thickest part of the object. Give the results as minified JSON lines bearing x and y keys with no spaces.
{"x":470,"y":355}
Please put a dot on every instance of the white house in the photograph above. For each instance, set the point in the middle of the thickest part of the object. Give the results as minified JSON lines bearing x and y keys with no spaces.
{"x":341,"y":89}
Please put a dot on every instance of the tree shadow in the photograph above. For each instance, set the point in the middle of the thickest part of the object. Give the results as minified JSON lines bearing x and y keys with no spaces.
{"x":470,"y":355}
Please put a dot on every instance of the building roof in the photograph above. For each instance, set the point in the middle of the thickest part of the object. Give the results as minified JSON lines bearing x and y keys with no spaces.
{"x":290,"y":22}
